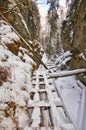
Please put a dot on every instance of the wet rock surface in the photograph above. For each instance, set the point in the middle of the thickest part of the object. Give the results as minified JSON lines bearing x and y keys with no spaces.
{"x":74,"y":35}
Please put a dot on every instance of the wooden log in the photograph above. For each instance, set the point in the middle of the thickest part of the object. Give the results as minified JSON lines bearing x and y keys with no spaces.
{"x":55,"y":66}
{"x":67,"y":73}
{"x":43,"y":104}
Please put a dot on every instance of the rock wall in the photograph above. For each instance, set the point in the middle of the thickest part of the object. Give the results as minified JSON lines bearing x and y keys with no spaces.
{"x":16,"y":68}
{"x":23,"y":16}
{"x":74,"y":35}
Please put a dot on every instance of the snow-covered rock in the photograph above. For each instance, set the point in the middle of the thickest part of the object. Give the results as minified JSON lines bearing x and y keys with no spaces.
{"x":15,"y":81}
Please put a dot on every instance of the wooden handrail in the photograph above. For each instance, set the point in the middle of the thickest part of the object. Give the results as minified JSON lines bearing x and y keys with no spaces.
{"x":66,"y":73}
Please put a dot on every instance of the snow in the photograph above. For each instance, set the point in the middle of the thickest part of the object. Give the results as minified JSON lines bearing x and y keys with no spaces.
{"x":44,"y":58}
{"x":36,"y":97}
{"x":15,"y":99}
{"x":67,"y":73}
{"x":68,"y":127}
{"x":71,"y":92}
{"x":82,"y":56}
{"x":65,"y":55}
{"x":66,"y":60}
{"x":3,"y":107}
{"x":15,"y":92}
{"x":57,"y":102}
{"x":8,"y":36}
{"x":7,"y":124}
{"x":22,"y":117}
{"x":36,"y":117}
{"x":62,"y":60}
{"x":17,"y":89}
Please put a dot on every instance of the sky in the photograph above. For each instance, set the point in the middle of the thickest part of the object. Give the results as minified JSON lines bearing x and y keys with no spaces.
{"x":43,"y":7}
{"x":43,"y":2}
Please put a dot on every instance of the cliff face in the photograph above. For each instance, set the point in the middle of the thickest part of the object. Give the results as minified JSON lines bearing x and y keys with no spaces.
{"x":74,"y":34}
{"x":16,"y":65}
{"x":15,"y":79}
{"x":23,"y":16}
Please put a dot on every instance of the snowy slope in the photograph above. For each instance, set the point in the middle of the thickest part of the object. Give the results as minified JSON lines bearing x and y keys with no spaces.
{"x":15,"y":82}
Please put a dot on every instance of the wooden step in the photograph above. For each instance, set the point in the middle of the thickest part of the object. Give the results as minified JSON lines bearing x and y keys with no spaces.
{"x":40,"y":104}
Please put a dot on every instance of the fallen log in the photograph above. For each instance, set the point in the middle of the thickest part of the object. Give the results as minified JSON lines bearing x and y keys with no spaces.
{"x":67,"y":73}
